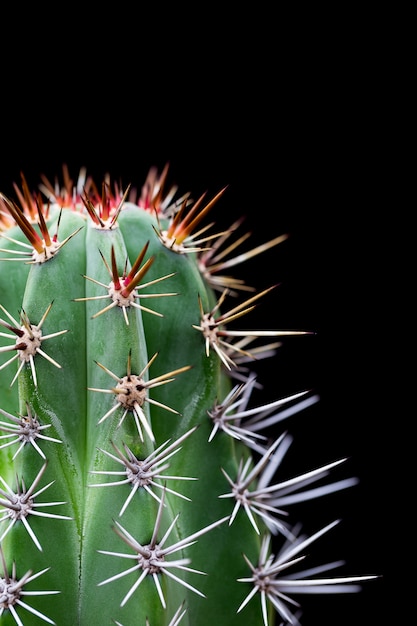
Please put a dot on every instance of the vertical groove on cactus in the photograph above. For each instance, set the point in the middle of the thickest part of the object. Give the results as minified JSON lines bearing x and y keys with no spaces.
{"x":138,"y":482}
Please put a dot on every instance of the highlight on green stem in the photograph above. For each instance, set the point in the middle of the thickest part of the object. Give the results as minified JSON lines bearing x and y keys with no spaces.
{"x":139,"y":480}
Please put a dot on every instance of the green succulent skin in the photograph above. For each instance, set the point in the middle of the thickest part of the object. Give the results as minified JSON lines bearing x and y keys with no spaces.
{"x":72,"y":548}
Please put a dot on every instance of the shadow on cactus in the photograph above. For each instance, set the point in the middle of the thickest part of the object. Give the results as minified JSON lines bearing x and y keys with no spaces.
{"x":139,"y":481}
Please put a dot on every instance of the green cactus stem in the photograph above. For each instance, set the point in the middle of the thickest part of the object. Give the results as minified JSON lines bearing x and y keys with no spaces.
{"x":138,"y":482}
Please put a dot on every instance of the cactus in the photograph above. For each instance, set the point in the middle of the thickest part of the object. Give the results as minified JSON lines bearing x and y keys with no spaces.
{"x":138,"y":482}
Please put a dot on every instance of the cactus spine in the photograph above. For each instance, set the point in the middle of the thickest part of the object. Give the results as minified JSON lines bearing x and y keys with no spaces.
{"x":135,"y":481}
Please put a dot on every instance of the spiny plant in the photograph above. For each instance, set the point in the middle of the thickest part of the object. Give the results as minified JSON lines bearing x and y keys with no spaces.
{"x":139,"y":484}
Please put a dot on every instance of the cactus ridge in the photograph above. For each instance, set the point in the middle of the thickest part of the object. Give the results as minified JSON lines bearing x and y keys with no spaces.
{"x":119,"y":409}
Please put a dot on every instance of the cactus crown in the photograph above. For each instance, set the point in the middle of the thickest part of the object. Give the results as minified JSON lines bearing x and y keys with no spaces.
{"x":138,"y":482}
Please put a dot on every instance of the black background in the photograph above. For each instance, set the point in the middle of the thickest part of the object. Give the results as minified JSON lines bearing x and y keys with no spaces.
{"x":287,"y":122}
